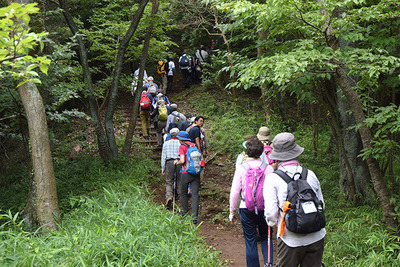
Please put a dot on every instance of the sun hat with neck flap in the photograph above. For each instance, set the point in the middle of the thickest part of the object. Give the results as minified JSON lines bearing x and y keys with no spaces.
{"x":285,"y":147}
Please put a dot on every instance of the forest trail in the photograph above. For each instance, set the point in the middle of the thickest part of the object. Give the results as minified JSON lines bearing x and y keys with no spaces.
{"x":214,"y":192}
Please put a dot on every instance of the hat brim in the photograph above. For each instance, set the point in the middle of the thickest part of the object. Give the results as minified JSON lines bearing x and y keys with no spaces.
{"x":183,"y":138}
{"x":244,"y":144}
{"x":286,"y":155}
{"x":264,"y":137}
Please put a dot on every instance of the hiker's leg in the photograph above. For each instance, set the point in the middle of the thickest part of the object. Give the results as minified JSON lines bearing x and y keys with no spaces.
{"x":266,"y":249}
{"x":185,"y":179}
{"x":250,"y":237}
{"x":195,"y":184}
{"x":170,"y":79}
{"x":169,"y":178}
{"x":313,"y":254}
{"x":160,"y":126}
{"x":178,"y":181}
{"x":288,"y":256}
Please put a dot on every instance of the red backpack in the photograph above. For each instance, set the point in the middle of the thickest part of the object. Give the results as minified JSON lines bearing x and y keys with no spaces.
{"x":145,"y":102}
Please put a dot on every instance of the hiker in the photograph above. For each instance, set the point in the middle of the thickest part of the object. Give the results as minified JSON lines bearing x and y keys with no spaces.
{"x":264,"y":136}
{"x":160,"y":97}
{"x":201,"y":55}
{"x":196,"y":69}
{"x":135,"y":80}
{"x":144,"y":112}
{"x":170,"y":73}
{"x":185,"y":68}
{"x":162,"y":71}
{"x":167,"y":136}
{"x":152,"y":87}
{"x":160,"y":116}
{"x":186,"y":123}
{"x":197,"y":135}
{"x":294,"y":249}
{"x":169,"y":154}
{"x":242,"y":157}
{"x":252,"y":212}
{"x":175,"y":117}
{"x":186,"y":177}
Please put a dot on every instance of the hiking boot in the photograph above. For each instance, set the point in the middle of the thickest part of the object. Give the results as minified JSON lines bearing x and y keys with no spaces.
{"x":168,"y":204}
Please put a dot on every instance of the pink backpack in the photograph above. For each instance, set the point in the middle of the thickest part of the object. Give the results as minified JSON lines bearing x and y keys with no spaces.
{"x":267,"y":150}
{"x":253,"y":191}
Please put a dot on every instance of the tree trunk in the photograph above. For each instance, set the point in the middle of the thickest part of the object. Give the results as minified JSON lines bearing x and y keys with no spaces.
{"x":117,"y":74}
{"x":354,"y":175}
{"x":366,"y":137}
{"x":46,"y":192}
{"x":104,"y":148}
{"x":135,"y":108}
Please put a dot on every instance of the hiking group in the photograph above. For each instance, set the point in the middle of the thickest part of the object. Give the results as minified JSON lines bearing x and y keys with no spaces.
{"x":270,"y":188}
{"x":273,"y":189}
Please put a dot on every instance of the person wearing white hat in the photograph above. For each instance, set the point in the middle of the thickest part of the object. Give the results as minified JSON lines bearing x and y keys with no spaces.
{"x":169,"y":154}
{"x":293,"y":249}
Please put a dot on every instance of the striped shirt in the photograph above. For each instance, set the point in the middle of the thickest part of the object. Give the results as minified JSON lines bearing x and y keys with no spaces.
{"x":170,"y":150}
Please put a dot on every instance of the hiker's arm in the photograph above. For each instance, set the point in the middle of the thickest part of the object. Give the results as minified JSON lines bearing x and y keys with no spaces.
{"x":181,"y":160}
{"x":198,"y":142}
{"x":271,"y":202}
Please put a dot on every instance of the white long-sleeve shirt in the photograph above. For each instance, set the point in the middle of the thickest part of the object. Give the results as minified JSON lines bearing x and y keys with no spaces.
{"x":275,"y":193}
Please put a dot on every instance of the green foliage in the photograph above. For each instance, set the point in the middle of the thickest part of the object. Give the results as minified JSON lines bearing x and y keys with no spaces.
{"x":17,"y":41}
{"x":118,"y":229}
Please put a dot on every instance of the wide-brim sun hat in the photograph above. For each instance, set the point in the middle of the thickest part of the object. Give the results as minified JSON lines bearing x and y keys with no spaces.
{"x":183,"y":136}
{"x":263,"y":134}
{"x":174,"y":132}
{"x":285,"y":147}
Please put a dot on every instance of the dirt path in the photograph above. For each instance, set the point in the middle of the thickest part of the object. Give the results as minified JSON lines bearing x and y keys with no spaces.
{"x":214,"y":200}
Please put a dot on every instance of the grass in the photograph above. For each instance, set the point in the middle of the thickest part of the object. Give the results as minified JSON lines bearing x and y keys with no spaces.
{"x":109,"y":220}
{"x":114,"y":229}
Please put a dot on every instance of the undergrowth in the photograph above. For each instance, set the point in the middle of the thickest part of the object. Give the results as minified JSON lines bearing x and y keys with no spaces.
{"x":109,"y":220}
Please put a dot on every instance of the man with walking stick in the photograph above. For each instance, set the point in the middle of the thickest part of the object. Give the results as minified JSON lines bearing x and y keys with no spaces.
{"x":169,"y":154}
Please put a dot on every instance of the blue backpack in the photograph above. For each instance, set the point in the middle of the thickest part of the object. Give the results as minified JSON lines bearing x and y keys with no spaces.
{"x":193,"y":160}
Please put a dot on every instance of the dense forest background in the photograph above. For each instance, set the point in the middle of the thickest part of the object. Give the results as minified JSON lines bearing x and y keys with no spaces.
{"x":332,"y":67}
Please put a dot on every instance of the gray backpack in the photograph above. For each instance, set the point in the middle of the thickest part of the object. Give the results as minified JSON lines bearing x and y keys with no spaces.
{"x":306,"y":213}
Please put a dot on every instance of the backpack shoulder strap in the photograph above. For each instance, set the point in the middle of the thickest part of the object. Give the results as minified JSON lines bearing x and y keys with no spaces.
{"x":263,"y":166}
{"x":304,"y":173}
{"x":284,"y":176}
{"x":246,"y":166}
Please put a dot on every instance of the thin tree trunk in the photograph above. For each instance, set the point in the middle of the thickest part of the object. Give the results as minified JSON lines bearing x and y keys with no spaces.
{"x":46,"y":192}
{"x":117,"y":74}
{"x":104,"y":148}
{"x":135,"y":108}
{"x":366,"y":137}
{"x":314,"y":117}
{"x":42,"y":163}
